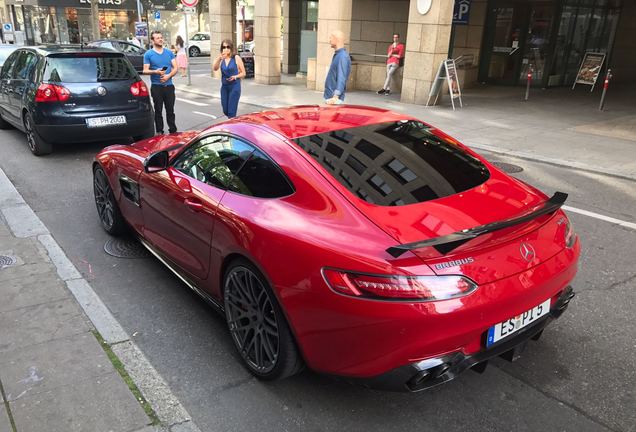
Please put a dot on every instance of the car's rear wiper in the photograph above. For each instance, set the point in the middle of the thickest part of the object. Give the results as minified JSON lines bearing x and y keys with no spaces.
{"x":447,"y":243}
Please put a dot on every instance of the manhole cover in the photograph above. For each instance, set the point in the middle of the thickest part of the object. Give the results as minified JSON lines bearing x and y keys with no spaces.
{"x":7,"y":261}
{"x":508,"y":168}
{"x":125,"y":248}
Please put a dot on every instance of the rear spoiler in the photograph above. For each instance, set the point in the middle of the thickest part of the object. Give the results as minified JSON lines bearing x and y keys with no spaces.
{"x":447,"y":243}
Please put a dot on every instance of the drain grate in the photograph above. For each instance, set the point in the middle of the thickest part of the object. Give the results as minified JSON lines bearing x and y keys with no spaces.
{"x":7,"y":261}
{"x":507,"y":167}
{"x":125,"y":248}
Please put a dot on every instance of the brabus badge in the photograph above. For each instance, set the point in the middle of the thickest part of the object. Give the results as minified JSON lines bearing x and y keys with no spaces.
{"x":527,"y":251}
{"x":455,"y":263}
{"x":101,"y":91}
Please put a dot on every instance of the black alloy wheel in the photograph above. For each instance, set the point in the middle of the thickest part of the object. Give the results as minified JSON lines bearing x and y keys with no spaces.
{"x":107,"y":209}
{"x":257,"y":324}
{"x":37,"y":145}
{"x":194,"y":51}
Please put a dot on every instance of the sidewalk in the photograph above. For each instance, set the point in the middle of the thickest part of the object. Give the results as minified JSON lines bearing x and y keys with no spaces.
{"x":559,"y":126}
{"x":65,"y":363}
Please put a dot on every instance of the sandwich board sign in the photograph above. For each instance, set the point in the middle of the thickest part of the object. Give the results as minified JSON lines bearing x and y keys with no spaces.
{"x":447,"y":71}
{"x":590,"y":69}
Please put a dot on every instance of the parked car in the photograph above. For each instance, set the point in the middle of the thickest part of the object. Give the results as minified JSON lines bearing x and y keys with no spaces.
{"x":65,"y":94}
{"x":360,"y":242}
{"x":199,"y":44}
{"x":5,"y":51}
{"x":134,"y":53}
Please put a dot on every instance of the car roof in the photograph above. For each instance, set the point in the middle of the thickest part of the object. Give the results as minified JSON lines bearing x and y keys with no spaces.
{"x":47,"y":50}
{"x":303,"y":120}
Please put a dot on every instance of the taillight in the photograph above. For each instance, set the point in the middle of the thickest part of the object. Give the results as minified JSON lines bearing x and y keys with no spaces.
{"x":418,"y":288}
{"x":52,"y":93}
{"x":570,"y":235}
{"x":139,"y":89}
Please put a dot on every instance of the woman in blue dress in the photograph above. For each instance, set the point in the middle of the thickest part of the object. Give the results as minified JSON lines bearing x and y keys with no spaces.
{"x":232,"y":71}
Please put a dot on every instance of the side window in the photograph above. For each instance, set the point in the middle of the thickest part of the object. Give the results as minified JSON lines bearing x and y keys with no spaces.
{"x":196,"y":37}
{"x":25,"y":66}
{"x":130,"y":48}
{"x":215,"y":160}
{"x":261,"y":178}
{"x":9,"y":65}
{"x":205,"y":37}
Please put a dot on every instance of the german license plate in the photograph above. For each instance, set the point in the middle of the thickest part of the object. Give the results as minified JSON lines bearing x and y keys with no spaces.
{"x":514,"y":324}
{"x":105,"y":121}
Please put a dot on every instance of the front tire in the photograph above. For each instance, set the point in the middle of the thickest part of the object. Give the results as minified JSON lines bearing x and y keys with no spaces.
{"x":36,"y":143}
{"x":194,"y":52}
{"x":109,"y":215}
{"x":257,"y":324}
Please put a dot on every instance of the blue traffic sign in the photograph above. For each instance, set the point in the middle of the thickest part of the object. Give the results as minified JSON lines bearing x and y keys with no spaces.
{"x":461,"y":14}
{"x":7,"y":27}
{"x":157,"y":15}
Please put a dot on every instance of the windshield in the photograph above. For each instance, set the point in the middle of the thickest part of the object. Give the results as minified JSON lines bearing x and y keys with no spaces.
{"x":4,"y":53}
{"x":88,"y":69}
{"x":397,"y":163}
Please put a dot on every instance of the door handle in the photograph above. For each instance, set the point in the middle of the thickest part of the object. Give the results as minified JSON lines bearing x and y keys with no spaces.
{"x":194,"y":204}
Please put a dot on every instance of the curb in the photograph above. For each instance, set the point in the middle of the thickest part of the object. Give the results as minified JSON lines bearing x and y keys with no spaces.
{"x":23,"y":223}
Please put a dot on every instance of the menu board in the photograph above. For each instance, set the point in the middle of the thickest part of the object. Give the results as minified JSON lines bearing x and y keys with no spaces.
{"x":590,"y":69}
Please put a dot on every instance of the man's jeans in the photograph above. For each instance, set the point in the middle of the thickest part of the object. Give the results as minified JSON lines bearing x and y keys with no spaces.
{"x":390,"y":70}
{"x":163,"y":96}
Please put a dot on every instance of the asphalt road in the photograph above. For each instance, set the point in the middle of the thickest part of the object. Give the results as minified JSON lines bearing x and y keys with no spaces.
{"x":580,"y":376}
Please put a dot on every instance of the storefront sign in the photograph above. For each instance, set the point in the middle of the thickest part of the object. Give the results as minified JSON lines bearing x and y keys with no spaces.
{"x":590,"y":69}
{"x":461,"y":14}
{"x":452,"y":81}
{"x":104,"y":2}
{"x":141,"y":29}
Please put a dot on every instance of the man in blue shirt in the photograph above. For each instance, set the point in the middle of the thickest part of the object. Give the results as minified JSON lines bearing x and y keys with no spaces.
{"x":336,"y":81}
{"x":161,"y":65}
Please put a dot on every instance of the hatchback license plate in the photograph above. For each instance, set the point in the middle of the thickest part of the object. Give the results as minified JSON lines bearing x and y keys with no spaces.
{"x":105,"y":121}
{"x":513,"y":325}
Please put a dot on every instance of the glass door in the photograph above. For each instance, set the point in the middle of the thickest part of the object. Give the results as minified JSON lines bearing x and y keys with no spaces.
{"x":506,"y":22}
{"x":536,"y":47}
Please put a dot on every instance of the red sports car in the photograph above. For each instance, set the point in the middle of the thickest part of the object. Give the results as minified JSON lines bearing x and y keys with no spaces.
{"x":363,"y":243}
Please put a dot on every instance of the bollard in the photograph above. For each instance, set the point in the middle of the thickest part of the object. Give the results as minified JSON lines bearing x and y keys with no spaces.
{"x":529,"y":82}
{"x":608,"y":77}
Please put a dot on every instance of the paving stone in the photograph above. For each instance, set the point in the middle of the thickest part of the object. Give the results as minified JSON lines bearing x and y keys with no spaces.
{"x":99,"y":404}
{"x":32,"y":290}
{"x":21,"y":271}
{"x":46,"y":366}
{"x":41,"y":323}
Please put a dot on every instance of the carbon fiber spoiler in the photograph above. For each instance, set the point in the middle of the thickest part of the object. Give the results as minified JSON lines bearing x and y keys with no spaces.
{"x":447,"y":243}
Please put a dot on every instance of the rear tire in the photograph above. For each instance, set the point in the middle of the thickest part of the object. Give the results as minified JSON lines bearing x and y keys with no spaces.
{"x":107,"y":209}
{"x":257,"y":324}
{"x":4,"y":124}
{"x":194,"y":52}
{"x":36,"y":143}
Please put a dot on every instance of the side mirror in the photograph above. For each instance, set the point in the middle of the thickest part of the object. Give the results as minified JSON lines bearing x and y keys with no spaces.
{"x":156,"y":162}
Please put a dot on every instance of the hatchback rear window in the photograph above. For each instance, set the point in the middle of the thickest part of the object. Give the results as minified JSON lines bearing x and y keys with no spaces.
{"x":74,"y":69}
{"x":397,"y":163}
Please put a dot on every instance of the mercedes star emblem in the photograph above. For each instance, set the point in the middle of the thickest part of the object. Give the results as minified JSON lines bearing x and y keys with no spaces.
{"x":527,"y":251}
{"x":101,"y":91}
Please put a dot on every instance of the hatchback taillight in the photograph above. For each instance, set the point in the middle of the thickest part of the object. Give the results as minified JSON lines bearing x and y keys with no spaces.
{"x":52,"y":93}
{"x":139,"y":89}
{"x":396,"y":287}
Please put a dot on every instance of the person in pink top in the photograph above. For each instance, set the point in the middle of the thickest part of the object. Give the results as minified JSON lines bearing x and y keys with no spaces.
{"x":395,"y":54}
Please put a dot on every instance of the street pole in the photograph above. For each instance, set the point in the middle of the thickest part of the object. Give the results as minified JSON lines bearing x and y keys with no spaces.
{"x":95,"y":19}
{"x":187,"y":49}
{"x":608,"y":77}
{"x":528,"y":82}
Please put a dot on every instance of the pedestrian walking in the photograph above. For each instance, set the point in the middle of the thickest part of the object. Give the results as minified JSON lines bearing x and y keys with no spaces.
{"x":339,"y":70}
{"x":161,"y":65}
{"x":395,"y":59}
{"x":182,"y":58}
{"x":232,"y":71}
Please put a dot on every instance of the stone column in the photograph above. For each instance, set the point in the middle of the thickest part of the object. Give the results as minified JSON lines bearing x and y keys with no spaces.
{"x":427,"y":42}
{"x":267,"y":41}
{"x":222,"y":26}
{"x":332,"y":15}
{"x":291,"y":36}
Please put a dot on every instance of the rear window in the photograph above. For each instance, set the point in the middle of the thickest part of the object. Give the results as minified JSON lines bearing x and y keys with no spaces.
{"x":394,"y":164}
{"x":88,"y":69}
